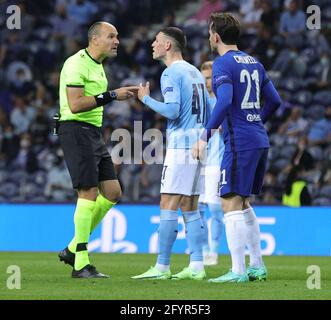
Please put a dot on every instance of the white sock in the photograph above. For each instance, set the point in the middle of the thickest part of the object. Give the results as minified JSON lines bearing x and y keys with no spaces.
{"x":163,"y":267}
{"x":235,"y":228}
{"x":253,"y":238}
{"x":197,"y":266}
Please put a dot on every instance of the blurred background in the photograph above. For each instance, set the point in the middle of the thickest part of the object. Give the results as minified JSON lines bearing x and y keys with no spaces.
{"x":298,"y":61}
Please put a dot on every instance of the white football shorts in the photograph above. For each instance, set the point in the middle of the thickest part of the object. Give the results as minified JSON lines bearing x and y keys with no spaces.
{"x":181,"y":173}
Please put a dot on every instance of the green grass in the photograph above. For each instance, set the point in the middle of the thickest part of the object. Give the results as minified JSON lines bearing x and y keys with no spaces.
{"x":44,"y":277}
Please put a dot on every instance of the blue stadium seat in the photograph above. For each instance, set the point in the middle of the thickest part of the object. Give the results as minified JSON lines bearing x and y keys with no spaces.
{"x":274,"y":153}
{"x":287,"y":151}
{"x":39,"y":177}
{"x":280,"y":163}
{"x":308,"y":81}
{"x":17,"y":176}
{"x":277,"y":140}
{"x":313,"y":176}
{"x":314,"y":69}
{"x":326,"y":12}
{"x":3,"y":175}
{"x":291,"y":84}
{"x":327,"y":153}
{"x":16,"y":198}
{"x":325,"y":191}
{"x":310,"y":55}
{"x":322,"y":97}
{"x":30,"y":189}
{"x":322,"y":3}
{"x":321,"y":201}
{"x":315,"y":112}
{"x":316,"y":152}
{"x":2,"y":164}
{"x":303,"y":97}
{"x":36,"y":198}
{"x":9,"y":189}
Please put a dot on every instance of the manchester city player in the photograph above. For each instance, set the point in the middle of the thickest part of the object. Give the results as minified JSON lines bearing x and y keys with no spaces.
{"x":239,"y":82}
{"x":185,"y":105}
{"x":209,"y":198}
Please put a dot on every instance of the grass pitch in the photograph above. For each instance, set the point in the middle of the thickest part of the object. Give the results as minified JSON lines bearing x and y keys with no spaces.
{"x":44,"y":277}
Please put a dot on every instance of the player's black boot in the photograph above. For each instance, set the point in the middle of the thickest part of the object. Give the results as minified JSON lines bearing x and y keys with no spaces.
{"x":67,"y":256}
{"x":88,"y":271}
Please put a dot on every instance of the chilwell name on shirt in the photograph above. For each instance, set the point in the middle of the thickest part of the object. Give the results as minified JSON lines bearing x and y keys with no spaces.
{"x":245,"y":59}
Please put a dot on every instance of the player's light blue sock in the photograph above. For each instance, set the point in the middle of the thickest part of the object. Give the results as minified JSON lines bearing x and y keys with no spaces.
{"x":168,"y":230}
{"x":194,"y":234}
{"x":216,"y":225}
{"x":202,"y":210}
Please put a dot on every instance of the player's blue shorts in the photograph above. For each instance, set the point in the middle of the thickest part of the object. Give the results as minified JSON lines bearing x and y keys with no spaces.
{"x":242,"y":172}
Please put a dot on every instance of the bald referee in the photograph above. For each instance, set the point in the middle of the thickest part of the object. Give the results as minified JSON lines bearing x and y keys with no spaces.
{"x":83,"y":93}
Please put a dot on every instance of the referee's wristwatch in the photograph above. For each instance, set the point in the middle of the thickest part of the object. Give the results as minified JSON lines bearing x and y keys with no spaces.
{"x":113,"y":95}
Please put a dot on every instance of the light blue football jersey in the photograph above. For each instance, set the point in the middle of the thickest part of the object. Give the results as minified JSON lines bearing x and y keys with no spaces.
{"x":215,"y":144}
{"x":184,"y":84}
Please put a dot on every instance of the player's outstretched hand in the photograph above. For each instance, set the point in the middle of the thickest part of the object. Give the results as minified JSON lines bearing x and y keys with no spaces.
{"x":143,"y":91}
{"x":198,"y":149}
{"x":126,"y":92}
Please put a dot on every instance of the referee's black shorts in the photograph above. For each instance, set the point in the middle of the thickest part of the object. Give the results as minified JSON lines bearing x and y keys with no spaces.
{"x":85,"y":153}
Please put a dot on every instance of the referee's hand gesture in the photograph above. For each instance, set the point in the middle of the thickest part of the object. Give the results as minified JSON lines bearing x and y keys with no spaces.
{"x":126,"y":92}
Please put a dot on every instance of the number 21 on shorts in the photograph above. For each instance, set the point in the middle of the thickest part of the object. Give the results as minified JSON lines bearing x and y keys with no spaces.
{"x":222,"y":181}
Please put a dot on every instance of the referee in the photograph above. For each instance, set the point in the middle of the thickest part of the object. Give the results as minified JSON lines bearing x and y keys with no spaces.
{"x":83,"y":93}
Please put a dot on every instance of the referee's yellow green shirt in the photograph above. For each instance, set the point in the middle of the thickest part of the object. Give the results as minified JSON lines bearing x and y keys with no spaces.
{"x":82,"y":71}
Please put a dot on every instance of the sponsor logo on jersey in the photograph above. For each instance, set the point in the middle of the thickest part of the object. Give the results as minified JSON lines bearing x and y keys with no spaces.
{"x":253,"y":117}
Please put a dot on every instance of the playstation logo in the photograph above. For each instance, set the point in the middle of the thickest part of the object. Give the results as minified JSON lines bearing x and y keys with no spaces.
{"x":113,"y":233}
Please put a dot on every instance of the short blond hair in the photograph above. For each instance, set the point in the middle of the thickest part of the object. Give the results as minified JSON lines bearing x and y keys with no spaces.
{"x":207,"y":65}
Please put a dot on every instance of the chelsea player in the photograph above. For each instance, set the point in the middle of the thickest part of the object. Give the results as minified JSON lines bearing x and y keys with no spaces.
{"x":239,"y":82}
{"x":185,"y":105}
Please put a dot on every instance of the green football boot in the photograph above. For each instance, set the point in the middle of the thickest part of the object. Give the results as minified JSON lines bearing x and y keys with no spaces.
{"x":259,"y":274}
{"x":154,"y":274}
{"x":189,"y":274}
{"x":230,"y":277}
